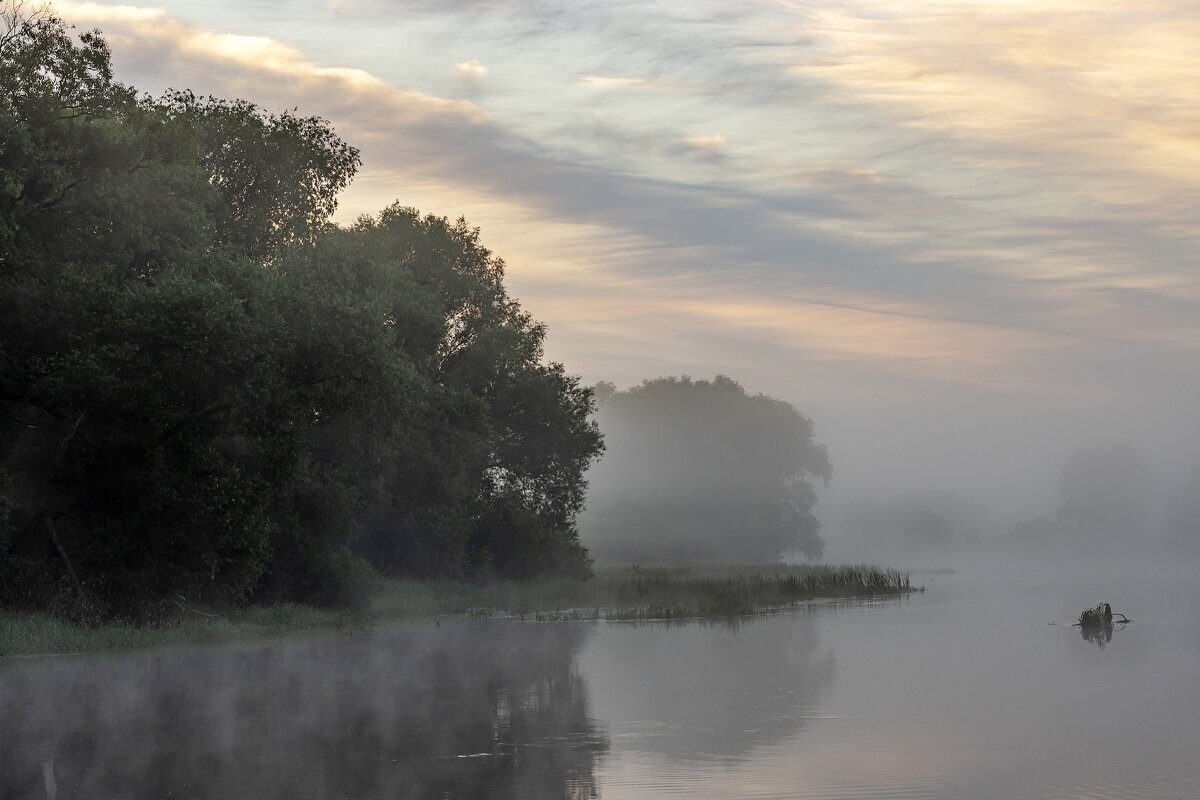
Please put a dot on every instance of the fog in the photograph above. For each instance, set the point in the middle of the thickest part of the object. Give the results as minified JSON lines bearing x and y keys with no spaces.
{"x":461,"y":711}
{"x":702,"y":472}
{"x":963,"y":690}
{"x":951,"y":486}
{"x":469,"y":708}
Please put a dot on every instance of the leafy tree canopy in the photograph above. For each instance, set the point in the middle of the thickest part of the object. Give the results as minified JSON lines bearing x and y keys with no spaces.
{"x":208,"y":390}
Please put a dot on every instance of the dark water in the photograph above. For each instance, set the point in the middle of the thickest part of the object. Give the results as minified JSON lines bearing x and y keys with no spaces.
{"x":964,"y":691}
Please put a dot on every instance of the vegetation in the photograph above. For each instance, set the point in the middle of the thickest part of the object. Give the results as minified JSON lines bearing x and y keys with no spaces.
{"x":209,"y":391}
{"x":215,"y":404}
{"x":700,"y":472}
{"x":615,"y":593}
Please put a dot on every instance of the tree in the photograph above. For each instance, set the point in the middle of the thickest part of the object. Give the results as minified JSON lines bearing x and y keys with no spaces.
{"x":702,"y":472}
{"x":276,"y":176}
{"x":208,"y":389}
{"x":488,"y":474}
{"x":139,"y":348}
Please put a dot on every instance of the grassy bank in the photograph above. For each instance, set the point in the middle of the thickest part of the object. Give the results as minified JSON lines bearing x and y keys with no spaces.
{"x":625,"y":593}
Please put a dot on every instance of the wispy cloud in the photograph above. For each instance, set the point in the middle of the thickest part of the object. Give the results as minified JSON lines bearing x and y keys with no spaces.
{"x":156,"y":46}
{"x":1093,"y":111}
{"x":993,"y":196}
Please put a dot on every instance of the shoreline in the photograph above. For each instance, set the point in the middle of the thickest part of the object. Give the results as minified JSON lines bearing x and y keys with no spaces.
{"x":616,"y":594}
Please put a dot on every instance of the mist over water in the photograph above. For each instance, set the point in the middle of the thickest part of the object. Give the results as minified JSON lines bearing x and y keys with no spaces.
{"x":965,"y":690}
{"x":465,"y":710}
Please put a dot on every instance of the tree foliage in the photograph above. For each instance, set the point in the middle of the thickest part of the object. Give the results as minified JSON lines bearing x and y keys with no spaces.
{"x":701,"y":471}
{"x":207,"y":389}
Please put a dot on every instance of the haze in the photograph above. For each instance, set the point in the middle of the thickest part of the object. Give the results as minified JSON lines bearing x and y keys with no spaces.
{"x":959,"y":237}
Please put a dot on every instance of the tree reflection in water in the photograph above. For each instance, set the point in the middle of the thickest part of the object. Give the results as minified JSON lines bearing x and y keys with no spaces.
{"x":467,"y":710}
{"x":733,"y":686}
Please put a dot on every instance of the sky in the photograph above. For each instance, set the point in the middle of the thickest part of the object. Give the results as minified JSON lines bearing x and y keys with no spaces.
{"x":960,"y":236}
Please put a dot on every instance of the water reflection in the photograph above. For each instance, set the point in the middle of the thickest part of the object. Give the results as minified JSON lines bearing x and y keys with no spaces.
{"x":731,"y":688}
{"x":1099,"y":635}
{"x":472,"y":709}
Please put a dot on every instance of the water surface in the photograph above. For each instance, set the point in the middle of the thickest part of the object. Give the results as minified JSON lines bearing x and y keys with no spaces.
{"x":962,"y":691}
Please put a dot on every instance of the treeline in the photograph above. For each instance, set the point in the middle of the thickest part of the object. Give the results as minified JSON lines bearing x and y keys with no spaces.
{"x":208,"y":390}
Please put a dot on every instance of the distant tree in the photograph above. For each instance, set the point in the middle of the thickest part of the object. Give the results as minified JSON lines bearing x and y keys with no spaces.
{"x":700,"y":471}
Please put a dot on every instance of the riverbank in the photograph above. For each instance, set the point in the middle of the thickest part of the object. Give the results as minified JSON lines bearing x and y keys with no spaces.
{"x":616,"y":593}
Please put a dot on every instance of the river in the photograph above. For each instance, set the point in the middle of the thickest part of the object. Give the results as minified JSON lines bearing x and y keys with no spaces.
{"x":962,"y":691}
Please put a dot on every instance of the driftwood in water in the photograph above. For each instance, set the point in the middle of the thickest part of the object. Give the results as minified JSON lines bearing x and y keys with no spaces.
{"x":1095,"y":617}
{"x":1101,"y":616}
{"x":1096,"y":624}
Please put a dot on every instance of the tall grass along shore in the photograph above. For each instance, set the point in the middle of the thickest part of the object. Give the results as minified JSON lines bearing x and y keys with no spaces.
{"x":616,"y":593}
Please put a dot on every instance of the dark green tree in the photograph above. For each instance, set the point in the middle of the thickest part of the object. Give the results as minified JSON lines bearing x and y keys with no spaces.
{"x":487,"y":473}
{"x":140,"y":352}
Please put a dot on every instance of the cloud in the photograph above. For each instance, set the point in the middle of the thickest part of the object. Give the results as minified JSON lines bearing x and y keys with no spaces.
{"x":607,"y":83}
{"x":156,"y":47}
{"x":690,"y":234}
{"x":470,"y":70}
{"x":708,"y":143}
{"x":1087,"y":110}
{"x":470,"y":75}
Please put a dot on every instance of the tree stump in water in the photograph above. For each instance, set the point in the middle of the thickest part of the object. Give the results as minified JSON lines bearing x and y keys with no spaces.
{"x":1096,"y":617}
